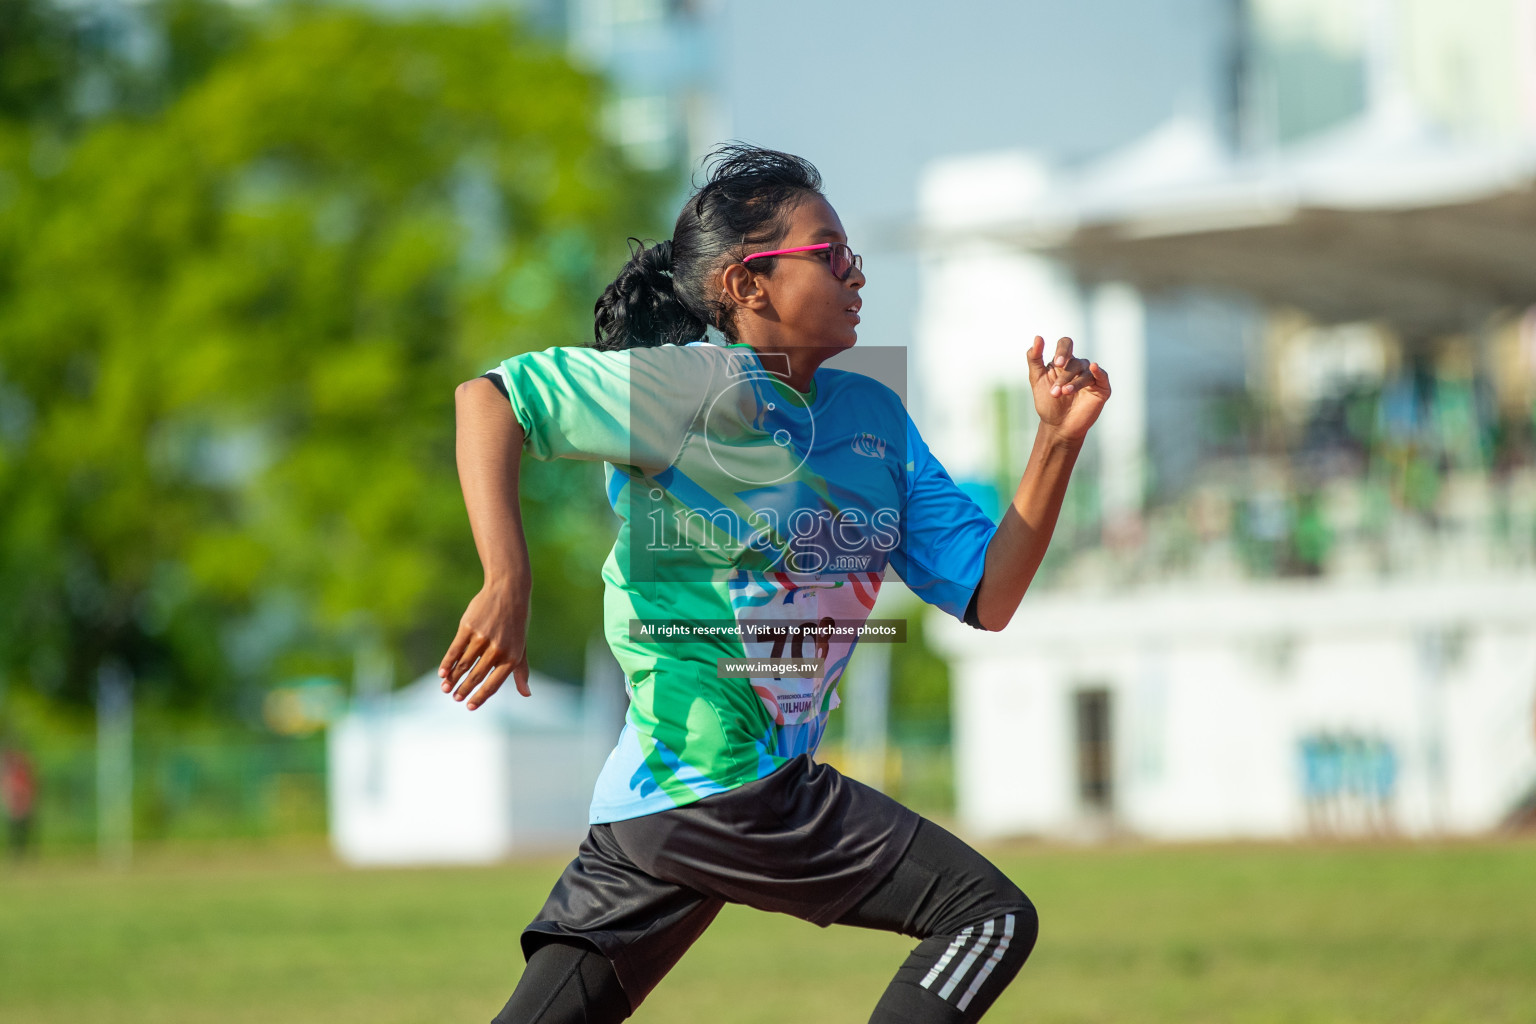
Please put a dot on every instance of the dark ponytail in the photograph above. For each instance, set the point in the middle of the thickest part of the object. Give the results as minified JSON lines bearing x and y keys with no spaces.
{"x":640,"y":309}
{"x":668,"y":292}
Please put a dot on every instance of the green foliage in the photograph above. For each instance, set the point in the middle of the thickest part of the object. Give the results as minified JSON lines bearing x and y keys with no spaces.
{"x":229,"y":339}
{"x":919,"y":684}
{"x":65,"y":66}
{"x":38,"y":60}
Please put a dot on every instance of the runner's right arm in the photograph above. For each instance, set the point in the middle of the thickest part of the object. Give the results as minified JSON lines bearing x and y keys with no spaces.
{"x":626,"y":407}
{"x":491,"y":643}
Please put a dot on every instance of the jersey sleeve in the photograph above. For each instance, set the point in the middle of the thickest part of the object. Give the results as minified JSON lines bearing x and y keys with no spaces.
{"x":944,"y":534}
{"x":632,"y":407}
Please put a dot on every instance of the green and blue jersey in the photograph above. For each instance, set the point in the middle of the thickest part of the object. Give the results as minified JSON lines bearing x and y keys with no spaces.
{"x":748,"y":505}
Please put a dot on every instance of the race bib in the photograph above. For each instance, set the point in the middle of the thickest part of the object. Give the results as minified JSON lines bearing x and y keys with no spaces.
{"x":803,"y":617}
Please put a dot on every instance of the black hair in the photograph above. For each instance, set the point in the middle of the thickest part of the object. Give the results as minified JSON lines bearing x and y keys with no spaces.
{"x":664,"y":295}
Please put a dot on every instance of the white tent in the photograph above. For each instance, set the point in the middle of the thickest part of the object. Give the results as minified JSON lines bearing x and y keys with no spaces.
{"x":417,"y":778}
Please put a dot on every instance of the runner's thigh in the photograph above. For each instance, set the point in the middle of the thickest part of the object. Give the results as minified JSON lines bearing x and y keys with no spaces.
{"x":641,"y":923}
{"x":939,"y":887}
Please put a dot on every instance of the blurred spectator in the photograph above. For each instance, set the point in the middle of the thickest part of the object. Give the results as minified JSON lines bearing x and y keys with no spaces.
{"x":18,"y":789}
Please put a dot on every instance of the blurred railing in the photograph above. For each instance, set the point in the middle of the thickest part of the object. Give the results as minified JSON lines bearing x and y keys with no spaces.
{"x":238,"y":788}
{"x":919,"y":766}
{"x":1260,"y":521}
{"x":922,"y":774}
{"x":1430,"y":472}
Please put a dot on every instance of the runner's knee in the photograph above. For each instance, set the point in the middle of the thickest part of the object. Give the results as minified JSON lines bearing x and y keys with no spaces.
{"x":954,"y":979}
{"x":990,"y":945}
{"x":1016,"y":911}
{"x":1009,"y":899}
{"x":566,"y":983}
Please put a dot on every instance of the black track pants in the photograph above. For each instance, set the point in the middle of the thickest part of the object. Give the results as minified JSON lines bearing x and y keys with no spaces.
{"x":976,"y":927}
{"x":566,"y":983}
{"x":976,"y":930}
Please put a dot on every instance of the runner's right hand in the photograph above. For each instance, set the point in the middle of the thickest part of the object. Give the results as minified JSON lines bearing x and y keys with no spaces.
{"x":491,"y":644}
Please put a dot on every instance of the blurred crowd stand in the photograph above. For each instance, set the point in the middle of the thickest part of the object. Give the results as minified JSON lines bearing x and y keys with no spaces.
{"x":1426,"y":470}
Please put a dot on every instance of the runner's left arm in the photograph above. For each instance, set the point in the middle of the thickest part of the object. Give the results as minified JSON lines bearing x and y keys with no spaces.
{"x":943,"y":533}
{"x":1069,"y":395}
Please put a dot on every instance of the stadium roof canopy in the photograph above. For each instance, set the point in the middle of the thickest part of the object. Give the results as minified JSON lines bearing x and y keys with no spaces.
{"x":1381,"y":219}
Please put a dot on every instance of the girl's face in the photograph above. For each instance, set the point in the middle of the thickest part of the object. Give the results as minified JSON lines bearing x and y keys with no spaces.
{"x":802,"y":304}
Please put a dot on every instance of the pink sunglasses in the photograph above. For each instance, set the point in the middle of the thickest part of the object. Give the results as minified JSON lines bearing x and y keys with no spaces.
{"x":842,"y":259}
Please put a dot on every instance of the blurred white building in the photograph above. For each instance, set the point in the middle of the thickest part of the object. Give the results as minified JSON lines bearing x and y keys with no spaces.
{"x":658,"y":57}
{"x":1324,"y":618}
{"x":1262,"y":710}
{"x":415,"y":777}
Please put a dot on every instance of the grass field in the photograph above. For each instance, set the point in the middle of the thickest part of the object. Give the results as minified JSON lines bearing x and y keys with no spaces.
{"x":1397,"y":934}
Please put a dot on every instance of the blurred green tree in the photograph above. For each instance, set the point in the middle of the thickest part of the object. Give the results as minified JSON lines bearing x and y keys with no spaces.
{"x":39,"y":59}
{"x":65,"y":66}
{"x":920,"y":695}
{"x":229,"y":338}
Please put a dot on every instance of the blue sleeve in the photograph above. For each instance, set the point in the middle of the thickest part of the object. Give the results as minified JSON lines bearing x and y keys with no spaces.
{"x":944,"y":534}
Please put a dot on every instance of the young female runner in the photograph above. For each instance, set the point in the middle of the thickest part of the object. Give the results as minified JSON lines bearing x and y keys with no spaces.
{"x":762,"y":497}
